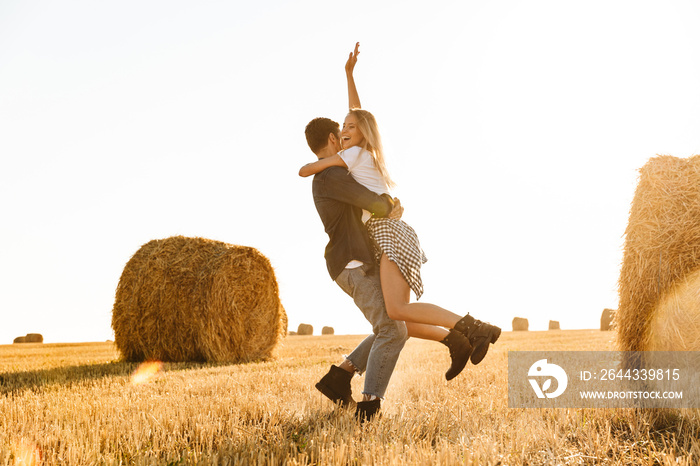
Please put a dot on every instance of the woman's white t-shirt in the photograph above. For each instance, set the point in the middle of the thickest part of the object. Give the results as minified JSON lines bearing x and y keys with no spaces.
{"x":361,"y":166}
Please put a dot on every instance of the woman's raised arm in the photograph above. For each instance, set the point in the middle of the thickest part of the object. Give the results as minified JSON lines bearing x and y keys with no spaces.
{"x":353,"y":96}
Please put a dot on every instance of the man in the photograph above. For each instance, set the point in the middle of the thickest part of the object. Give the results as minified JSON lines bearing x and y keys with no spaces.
{"x":339,"y":200}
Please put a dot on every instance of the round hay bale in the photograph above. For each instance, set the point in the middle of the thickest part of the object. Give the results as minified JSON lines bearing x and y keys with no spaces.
{"x":662,"y":243}
{"x":554,"y":325}
{"x":327,"y":331}
{"x":606,"y":319}
{"x":34,"y":338}
{"x":305,"y":329}
{"x":20,"y":340}
{"x":195,"y":299}
{"x":675,"y":323}
{"x":520,"y":324}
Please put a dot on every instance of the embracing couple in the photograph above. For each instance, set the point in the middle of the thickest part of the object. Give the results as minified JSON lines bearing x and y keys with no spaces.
{"x":375,"y":257}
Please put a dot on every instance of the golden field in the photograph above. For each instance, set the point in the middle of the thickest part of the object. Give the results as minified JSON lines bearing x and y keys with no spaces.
{"x":77,"y":404}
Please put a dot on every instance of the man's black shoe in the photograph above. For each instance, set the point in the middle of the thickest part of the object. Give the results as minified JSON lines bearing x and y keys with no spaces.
{"x":366,"y":410}
{"x":336,"y":386}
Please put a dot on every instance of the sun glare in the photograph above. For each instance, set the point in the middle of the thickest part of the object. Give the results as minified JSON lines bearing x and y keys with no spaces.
{"x":26,"y":453}
{"x":146,"y":372}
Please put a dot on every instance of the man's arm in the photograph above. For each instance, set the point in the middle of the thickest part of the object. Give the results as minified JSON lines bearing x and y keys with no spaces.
{"x":353,"y":96}
{"x":336,"y":183}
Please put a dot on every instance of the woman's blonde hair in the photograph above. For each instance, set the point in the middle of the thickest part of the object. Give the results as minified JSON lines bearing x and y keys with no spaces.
{"x":367,"y":125}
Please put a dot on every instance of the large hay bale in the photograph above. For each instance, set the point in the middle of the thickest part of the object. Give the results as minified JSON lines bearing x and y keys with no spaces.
{"x":194,"y":299}
{"x":20,"y":340}
{"x":675,"y":323}
{"x":520,"y":324}
{"x":606,"y":319}
{"x":554,"y":325}
{"x":305,"y":329}
{"x":662,"y":244}
{"x":34,"y":338}
{"x":327,"y":331}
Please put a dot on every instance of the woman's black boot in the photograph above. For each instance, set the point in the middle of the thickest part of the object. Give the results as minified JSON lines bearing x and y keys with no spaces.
{"x":480,"y":335}
{"x":460,"y":350}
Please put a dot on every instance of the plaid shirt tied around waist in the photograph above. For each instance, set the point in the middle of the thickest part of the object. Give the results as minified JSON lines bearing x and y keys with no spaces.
{"x":399,"y":242}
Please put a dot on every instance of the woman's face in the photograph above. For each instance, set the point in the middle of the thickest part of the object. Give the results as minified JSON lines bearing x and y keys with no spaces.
{"x":351,"y":135}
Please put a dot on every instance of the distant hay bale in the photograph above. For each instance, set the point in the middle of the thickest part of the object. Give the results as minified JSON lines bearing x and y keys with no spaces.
{"x":305,"y":329}
{"x":327,"y":331}
{"x":520,"y":324}
{"x":606,"y":319}
{"x":34,"y":338}
{"x":675,"y":323}
{"x":30,"y":338}
{"x":662,"y":244}
{"x":554,"y":325}
{"x":195,"y":299}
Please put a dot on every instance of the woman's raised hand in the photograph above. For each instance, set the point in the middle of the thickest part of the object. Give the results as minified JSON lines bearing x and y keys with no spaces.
{"x":352,"y":59}
{"x":353,"y":96}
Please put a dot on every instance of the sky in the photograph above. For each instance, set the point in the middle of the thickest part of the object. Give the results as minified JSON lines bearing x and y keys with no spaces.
{"x":515,"y":131}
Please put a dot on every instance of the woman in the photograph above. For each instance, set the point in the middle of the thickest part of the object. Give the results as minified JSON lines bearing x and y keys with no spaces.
{"x":397,"y":247}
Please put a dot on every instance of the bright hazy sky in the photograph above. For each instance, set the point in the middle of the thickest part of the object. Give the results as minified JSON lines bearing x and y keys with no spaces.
{"x":514,"y":129}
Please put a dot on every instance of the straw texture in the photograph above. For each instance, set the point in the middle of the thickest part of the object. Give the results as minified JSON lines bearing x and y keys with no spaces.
{"x":195,"y":299}
{"x":675,"y":325}
{"x":662,"y":244}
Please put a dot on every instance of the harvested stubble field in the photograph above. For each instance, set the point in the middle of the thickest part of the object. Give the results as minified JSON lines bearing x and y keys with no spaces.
{"x":76,"y":404}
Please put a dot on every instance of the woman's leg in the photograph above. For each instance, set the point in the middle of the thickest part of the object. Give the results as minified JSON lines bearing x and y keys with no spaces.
{"x":425,"y":331}
{"x":397,"y":297}
{"x":458,"y":344}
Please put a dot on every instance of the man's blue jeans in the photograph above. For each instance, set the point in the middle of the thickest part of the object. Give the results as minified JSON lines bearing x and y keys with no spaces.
{"x":378,"y":353}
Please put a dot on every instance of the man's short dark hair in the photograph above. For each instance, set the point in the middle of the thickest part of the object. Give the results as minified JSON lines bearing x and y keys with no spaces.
{"x":317,"y":132}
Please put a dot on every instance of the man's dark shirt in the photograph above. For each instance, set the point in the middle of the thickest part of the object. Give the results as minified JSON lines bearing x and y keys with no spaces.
{"x":339,"y":201}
